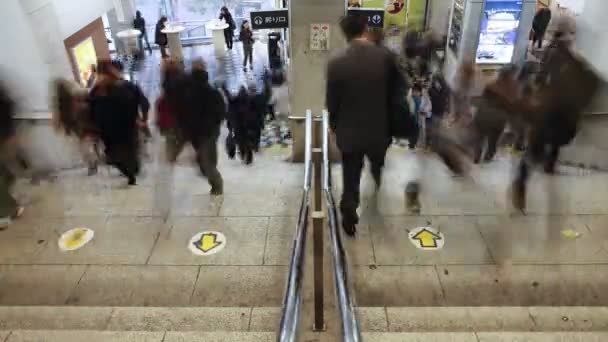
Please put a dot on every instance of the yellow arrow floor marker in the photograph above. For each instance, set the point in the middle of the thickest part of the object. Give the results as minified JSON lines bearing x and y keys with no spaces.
{"x":75,"y":238}
{"x":427,"y":238}
{"x":207,"y":243}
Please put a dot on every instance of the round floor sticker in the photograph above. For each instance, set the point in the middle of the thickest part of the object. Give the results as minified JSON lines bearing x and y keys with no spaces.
{"x":75,"y":239}
{"x":207,"y":243}
{"x":427,"y":238}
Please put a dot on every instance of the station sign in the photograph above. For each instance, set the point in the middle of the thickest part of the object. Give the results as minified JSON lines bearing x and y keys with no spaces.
{"x":375,"y":16}
{"x":275,"y":19}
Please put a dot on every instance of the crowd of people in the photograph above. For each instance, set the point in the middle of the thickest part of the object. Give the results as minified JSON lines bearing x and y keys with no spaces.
{"x":461,"y":119}
{"x":407,"y":98}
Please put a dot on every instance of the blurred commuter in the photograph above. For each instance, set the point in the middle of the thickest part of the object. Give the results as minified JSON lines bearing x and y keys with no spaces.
{"x":361,"y":123}
{"x":72,"y":116}
{"x":228,"y":31}
{"x":199,"y":110}
{"x":243,"y":123}
{"x":165,"y":114}
{"x":553,"y":111}
{"x":246,"y":37}
{"x":539,"y":26}
{"x":115,"y":106}
{"x":9,"y":208}
{"x":139,"y":23}
{"x":161,"y":38}
{"x":490,"y":121}
{"x":280,"y":102}
{"x":92,"y":77}
{"x":439,"y":93}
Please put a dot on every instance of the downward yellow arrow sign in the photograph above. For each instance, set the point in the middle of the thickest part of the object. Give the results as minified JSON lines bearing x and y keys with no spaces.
{"x":207,"y":242}
{"x":427,"y":239}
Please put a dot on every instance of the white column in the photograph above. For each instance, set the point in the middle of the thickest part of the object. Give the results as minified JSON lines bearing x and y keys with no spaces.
{"x":307,"y":68}
{"x":307,"y":74}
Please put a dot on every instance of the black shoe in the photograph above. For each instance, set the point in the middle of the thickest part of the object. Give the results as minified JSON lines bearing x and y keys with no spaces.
{"x":349,"y":228}
{"x":132,"y":181}
{"x":349,"y":223}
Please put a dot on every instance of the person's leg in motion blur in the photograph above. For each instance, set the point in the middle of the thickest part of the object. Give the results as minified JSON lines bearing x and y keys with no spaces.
{"x":493,"y":137}
{"x":147,"y":43}
{"x":207,"y":160}
{"x":533,"y":155}
{"x":376,"y":159}
{"x":352,"y":165}
{"x":163,"y":51}
{"x":8,"y":205}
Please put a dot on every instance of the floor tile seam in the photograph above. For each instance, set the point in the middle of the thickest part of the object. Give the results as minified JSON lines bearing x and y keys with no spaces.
{"x":73,"y":290}
{"x":156,"y":239}
{"x":443,"y":292}
{"x":198,"y":274}
{"x":266,"y":241}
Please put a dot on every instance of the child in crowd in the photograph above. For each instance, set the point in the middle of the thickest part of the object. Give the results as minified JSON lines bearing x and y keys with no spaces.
{"x":423,"y":110}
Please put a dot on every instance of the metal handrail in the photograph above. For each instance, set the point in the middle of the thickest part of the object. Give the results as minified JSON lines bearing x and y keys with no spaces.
{"x":290,"y":316}
{"x":351,"y":331}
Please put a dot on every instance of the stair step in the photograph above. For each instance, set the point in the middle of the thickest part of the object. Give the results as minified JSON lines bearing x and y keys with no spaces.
{"x":172,"y":336}
{"x":132,"y":336}
{"x":486,"y":337}
{"x":153,"y":319}
{"x":471,"y":319}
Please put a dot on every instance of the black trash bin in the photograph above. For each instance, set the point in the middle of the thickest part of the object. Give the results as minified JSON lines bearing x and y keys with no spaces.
{"x":274,"y":50}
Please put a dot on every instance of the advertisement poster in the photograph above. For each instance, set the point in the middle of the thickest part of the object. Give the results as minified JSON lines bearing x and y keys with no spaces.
{"x":455,"y":33}
{"x":416,"y":15}
{"x":498,"y":32}
{"x":395,"y":11}
{"x":85,"y":56}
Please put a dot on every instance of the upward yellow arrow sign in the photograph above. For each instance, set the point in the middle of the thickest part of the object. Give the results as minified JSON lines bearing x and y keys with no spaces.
{"x":207,"y":242}
{"x":427,"y":239}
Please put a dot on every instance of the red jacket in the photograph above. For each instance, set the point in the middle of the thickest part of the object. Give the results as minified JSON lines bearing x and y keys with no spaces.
{"x":164,"y":116}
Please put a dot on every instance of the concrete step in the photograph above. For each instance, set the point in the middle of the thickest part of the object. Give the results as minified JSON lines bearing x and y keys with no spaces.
{"x":488,"y":319}
{"x":485,"y":337}
{"x":153,"y":319}
{"x":172,"y":336}
{"x":131,"y":336}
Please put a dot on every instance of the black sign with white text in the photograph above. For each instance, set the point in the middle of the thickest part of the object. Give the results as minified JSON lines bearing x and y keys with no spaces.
{"x":375,"y":17}
{"x":269,"y":19}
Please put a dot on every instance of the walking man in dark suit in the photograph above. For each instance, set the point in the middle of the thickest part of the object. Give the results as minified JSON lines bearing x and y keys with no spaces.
{"x":357,"y":98}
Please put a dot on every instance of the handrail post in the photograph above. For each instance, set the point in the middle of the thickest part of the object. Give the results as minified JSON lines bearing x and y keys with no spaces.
{"x":318,"y":218}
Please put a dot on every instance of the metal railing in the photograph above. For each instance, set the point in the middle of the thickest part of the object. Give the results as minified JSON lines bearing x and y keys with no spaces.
{"x":290,"y":316}
{"x":350,"y":329}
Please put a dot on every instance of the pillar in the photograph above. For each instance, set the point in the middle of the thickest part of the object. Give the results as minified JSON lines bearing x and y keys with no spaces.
{"x":307,"y":67}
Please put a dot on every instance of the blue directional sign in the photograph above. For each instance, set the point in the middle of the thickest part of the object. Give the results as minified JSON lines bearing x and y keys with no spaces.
{"x":375,"y":16}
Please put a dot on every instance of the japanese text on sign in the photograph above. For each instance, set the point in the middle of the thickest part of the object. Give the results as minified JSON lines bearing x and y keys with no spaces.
{"x":269,"y":19}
